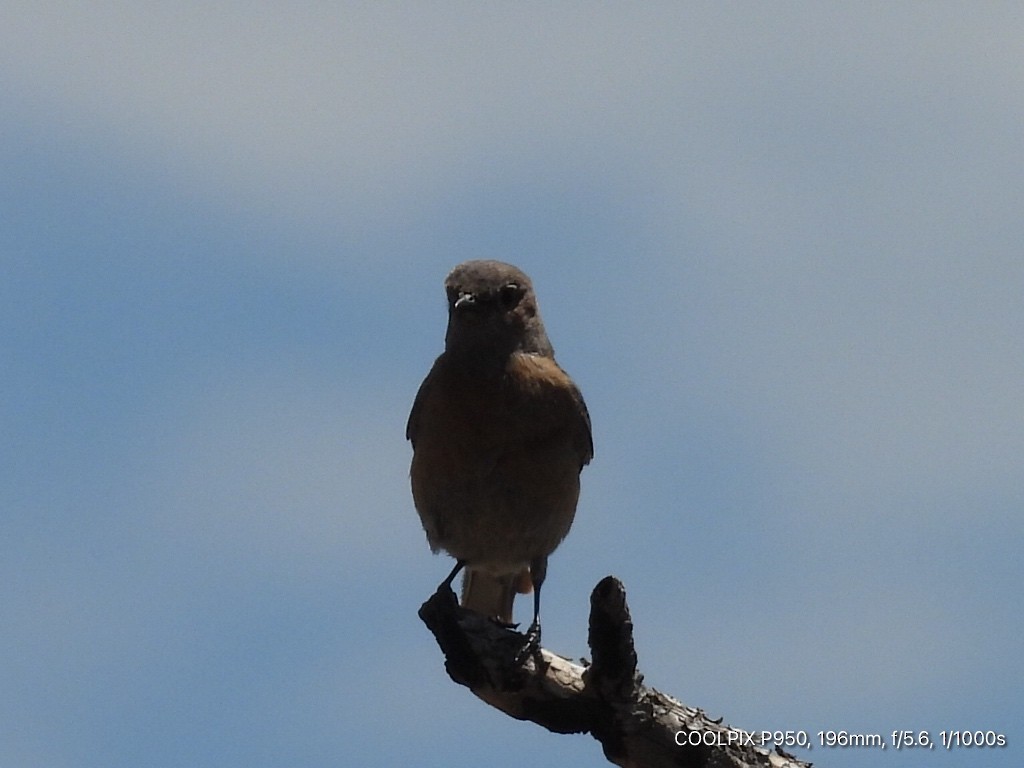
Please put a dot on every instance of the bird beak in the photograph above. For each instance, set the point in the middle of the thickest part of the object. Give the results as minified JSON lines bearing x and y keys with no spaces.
{"x":465,"y":301}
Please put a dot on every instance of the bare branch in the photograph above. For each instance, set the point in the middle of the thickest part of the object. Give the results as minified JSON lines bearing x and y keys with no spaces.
{"x":638,"y":727}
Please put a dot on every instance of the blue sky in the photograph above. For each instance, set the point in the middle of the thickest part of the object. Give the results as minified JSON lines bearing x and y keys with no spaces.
{"x":778,"y":247}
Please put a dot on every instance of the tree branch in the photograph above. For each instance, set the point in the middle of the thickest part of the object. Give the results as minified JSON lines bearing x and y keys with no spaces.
{"x":638,"y":727}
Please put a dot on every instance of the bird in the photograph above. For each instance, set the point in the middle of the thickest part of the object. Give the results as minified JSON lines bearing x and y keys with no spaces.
{"x":500,"y":434}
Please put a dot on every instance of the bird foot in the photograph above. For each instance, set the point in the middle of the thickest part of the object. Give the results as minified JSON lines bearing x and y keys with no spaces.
{"x":531,"y":647}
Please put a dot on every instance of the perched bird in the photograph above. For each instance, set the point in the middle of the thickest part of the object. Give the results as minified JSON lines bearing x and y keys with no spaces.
{"x":500,"y":434}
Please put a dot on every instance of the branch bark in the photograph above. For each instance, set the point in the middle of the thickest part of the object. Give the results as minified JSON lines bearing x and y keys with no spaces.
{"x":637,"y":726}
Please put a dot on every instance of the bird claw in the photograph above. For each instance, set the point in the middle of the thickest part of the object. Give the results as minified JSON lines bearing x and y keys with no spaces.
{"x":531,"y":647}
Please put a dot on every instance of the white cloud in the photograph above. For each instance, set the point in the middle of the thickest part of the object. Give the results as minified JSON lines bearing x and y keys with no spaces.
{"x":365,"y":112}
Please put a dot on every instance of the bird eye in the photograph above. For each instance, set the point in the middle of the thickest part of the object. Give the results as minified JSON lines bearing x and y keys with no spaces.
{"x":510,"y":295}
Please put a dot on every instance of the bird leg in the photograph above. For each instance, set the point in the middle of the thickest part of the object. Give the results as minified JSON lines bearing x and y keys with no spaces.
{"x":532,"y":645}
{"x":459,"y":565}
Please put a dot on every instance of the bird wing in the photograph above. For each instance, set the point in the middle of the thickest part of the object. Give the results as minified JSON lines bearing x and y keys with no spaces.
{"x":412,"y":426}
{"x":545,"y":377}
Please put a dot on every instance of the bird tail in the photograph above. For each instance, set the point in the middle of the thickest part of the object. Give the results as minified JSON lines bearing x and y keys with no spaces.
{"x":492,"y":596}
